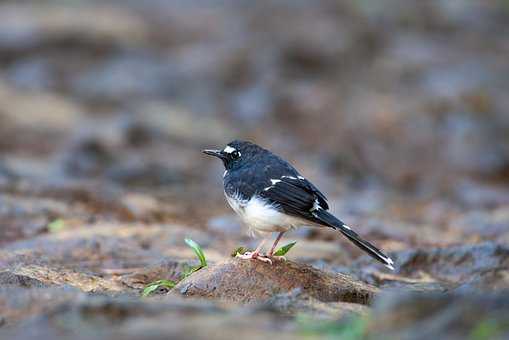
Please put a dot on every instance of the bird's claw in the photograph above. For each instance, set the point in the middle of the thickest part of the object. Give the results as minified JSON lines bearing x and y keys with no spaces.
{"x":279,"y":258}
{"x":254,"y":256}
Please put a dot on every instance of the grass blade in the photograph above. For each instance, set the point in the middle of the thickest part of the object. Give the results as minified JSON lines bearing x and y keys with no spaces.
{"x":197,"y":250}
{"x":284,"y":249}
{"x":56,"y":226}
{"x":153,"y":286}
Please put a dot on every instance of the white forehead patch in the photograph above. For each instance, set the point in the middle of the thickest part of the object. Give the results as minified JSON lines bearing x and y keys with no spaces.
{"x":229,"y":149}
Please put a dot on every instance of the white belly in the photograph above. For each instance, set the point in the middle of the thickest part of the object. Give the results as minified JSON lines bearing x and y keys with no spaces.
{"x":263,"y":218}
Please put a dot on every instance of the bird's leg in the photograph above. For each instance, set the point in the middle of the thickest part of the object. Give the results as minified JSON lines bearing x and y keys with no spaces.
{"x":271,"y":252}
{"x":256,"y":254}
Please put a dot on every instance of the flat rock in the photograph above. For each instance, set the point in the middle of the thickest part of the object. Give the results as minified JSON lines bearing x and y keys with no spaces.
{"x":8,"y":277}
{"x":297,"y":303}
{"x":478,"y":266}
{"x":105,"y":317}
{"x":254,"y":281}
{"x":41,"y":276}
{"x":438,"y":315}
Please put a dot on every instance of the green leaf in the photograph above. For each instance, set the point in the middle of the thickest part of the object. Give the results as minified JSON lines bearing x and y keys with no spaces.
{"x":284,"y":249}
{"x":239,"y":250}
{"x":188,"y":270}
{"x":153,"y":286}
{"x":56,"y":226}
{"x":198,"y":251}
{"x":488,"y":329}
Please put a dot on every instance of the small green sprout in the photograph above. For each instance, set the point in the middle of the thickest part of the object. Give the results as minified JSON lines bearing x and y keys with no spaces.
{"x":239,"y":250}
{"x":280,"y":252}
{"x":187,"y":270}
{"x":153,"y":286}
{"x":198,"y":251}
{"x":284,"y":249}
{"x":56,"y":226}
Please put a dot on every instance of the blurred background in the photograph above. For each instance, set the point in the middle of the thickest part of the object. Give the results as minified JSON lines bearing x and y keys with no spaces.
{"x":396,"y":109}
{"x":368,"y":98}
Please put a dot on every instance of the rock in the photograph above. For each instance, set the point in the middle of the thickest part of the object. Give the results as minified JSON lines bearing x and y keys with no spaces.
{"x":448,"y":267}
{"x":108,"y":246}
{"x":251,"y":281}
{"x":439,"y":316}
{"x":489,"y":280}
{"x":454,"y":263}
{"x":296,"y":302}
{"x":39,"y":276}
{"x":8,"y":277}
{"x":144,"y":175}
{"x":126,"y":318}
{"x":488,"y":224}
{"x":27,"y":26}
{"x":19,"y":304}
{"x":165,"y":270}
{"x":40,"y":111}
{"x":88,"y":157}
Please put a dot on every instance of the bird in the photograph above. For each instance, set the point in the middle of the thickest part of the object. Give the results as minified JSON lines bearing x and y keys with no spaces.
{"x":270,"y":196}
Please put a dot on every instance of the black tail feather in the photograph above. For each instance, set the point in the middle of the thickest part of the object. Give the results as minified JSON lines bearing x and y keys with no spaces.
{"x":331,"y":221}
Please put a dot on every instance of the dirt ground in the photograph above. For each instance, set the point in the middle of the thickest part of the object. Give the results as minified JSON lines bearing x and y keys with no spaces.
{"x":397,"y":110}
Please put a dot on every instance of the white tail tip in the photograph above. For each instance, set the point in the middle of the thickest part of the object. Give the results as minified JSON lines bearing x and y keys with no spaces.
{"x":389,"y":263}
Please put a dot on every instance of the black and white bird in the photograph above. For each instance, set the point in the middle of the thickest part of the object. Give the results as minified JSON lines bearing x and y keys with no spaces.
{"x":270,"y":196}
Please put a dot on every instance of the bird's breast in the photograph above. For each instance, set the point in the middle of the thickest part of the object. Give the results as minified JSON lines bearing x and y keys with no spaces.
{"x":260,"y":216}
{"x":236,"y":203}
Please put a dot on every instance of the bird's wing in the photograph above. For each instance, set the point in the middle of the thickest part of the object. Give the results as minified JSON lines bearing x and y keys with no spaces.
{"x":295,"y":196}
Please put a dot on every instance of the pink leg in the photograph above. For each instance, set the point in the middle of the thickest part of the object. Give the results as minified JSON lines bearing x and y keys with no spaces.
{"x":256,"y":254}
{"x":271,"y":252}
{"x":259,"y":248}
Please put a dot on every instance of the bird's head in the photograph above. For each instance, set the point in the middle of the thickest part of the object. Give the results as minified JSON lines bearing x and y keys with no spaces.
{"x":236,"y":153}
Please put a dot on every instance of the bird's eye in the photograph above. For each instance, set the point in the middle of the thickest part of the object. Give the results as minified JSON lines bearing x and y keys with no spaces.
{"x":235,"y":154}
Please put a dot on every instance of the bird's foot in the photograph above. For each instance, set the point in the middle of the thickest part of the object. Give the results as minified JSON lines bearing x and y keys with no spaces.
{"x":255,"y":256}
{"x":275,"y":257}
{"x":278,"y":258}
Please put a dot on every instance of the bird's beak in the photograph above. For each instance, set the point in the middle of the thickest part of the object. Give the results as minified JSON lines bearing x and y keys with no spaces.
{"x":215,"y":153}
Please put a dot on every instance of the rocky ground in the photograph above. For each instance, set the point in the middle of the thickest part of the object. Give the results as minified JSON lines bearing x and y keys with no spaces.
{"x":397,"y":110}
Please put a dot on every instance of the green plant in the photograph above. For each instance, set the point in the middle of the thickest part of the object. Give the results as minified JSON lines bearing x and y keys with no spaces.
{"x":198,"y":251}
{"x":153,"y":286}
{"x":186,"y":271}
{"x":488,"y":329}
{"x":284,"y":249}
{"x":56,"y":225}
{"x":238,"y":250}
{"x":280,"y":252}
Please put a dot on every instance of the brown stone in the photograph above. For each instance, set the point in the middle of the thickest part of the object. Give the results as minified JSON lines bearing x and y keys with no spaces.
{"x":252,"y":281}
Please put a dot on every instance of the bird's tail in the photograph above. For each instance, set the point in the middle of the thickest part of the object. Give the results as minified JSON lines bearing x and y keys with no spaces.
{"x":331,"y":221}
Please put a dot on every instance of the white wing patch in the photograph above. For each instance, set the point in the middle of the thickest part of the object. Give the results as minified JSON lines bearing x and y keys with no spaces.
{"x":274,"y":182}
{"x":290,"y":177}
{"x":316,"y":206}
